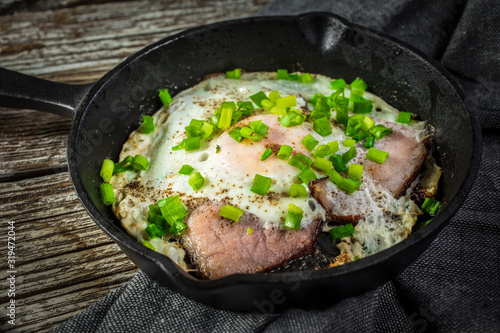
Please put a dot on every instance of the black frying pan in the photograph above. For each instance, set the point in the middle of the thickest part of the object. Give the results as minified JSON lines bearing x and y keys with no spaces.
{"x":107,"y":111}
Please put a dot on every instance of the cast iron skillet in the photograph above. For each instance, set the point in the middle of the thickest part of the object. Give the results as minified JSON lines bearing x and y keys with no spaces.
{"x":107,"y":111}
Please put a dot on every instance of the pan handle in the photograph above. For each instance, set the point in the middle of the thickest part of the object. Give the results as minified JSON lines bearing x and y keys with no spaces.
{"x":22,"y":91}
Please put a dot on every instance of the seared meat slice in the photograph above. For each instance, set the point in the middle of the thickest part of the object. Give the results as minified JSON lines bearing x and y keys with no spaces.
{"x":407,"y":154}
{"x":219,"y":247}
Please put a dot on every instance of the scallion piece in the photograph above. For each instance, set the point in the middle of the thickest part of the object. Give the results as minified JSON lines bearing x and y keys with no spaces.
{"x":298,"y":190}
{"x":370,"y":142}
{"x":107,"y":169}
{"x":235,"y":134}
{"x":362,"y":105}
{"x":177,"y":227}
{"x":140,"y":163}
{"x":172,"y":209}
{"x":107,"y":195}
{"x":355,"y":171}
{"x":267,"y":104}
{"x":307,"y":175}
{"x":334,"y":146}
{"x":367,"y":123}
{"x":287,"y":101}
{"x":376,"y":155}
{"x":258,"y":97}
{"x":349,"y":143}
{"x":192,"y":143}
{"x":322,"y":164}
{"x":404,"y":117}
{"x":293,"y":77}
{"x":322,"y":126}
{"x":360,"y":136}
{"x":124,"y":165}
{"x":274,"y":95}
{"x":306,"y":78}
{"x":359,"y":84}
{"x":268,"y":152}
{"x":261,"y":184}
{"x":350,"y":184}
{"x":154,"y":215}
{"x":353,"y":125}
{"x":335,"y":177}
{"x":207,"y":130}
{"x":245,"y":107}
{"x":284,"y":152}
{"x":316,"y":97}
{"x":293,"y":217}
{"x":430,"y":206}
{"x":186,"y":170}
{"x":148,"y":245}
{"x":300,"y":161}
{"x":341,"y":231}
{"x":349,"y":155}
{"x":310,"y":142}
{"x":338,"y":163}
{"x":234,"y":74}
{"x":249,"y":231}
{"x":165,"y":97}
{"x":152,"y":231}
{"x":322,"y":151}
{"x":341,"y":106}
{"x":231,"y":212}
{"x":148,"y":125}
{"x":379,"y":131}
{"x":291,"y":118}
{"x":246,"y":132}
{"x":338,"y":84}
{"x":278,"y":110}
{"x":259,"y":127}
{"x":282,"y":74}
{"x":196,"y":181}
{"x":227,"y":109}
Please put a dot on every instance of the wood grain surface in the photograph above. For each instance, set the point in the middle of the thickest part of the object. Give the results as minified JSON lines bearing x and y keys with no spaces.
{"x":63,"y":261}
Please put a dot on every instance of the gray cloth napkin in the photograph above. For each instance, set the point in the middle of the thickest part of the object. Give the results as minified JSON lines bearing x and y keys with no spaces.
{"x":455,"y":285}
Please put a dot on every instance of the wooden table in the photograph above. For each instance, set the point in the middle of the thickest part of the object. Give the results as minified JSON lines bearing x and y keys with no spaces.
{"x":63,"y":261}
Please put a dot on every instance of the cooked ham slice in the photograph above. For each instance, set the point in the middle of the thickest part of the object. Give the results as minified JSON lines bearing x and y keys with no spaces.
{"x":219,"y":247}
{"x":407,"y":154}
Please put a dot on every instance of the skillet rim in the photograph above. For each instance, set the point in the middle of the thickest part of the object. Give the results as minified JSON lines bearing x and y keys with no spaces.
{"x":167,"y":266}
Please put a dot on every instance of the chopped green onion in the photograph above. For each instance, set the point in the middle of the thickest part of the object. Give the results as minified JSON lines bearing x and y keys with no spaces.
{"x":259,"y":127}
{"x":294,"y":217}
{"x":165,"y":97}
{"x":360,"y":136}
{"x":322,"y":151}
{"x":309,"y":142}
{"x":107,"y":195}
{"x":335,"y":177}
{"x":245,"y":107}
{"x":322,"y":126}
{"x":258,"y":97}
{"x":370,"y":142}
{"x":355,"y":171}
{"x":207,"y":130}
{"x":424,"y":223}
{"x":217,"y":149}
{"x":124,"y":165}
{"x":338,"y":163}
{"x":340,"y":104}
{"x":282,"y":74}
{"x":246,"y":132}
{"x":322,"y":109}
{"x":278,"y":110}
{"x":359,"y":84}
{"x":349,"y":143}
{"x":196,"y":181}
{"x":284,"y":152}
{"x":350,"y":184}
{"x":367,"y":124}
{"x":353,"y":125}
{"x":334,"y":146}
{"x":341,"y":231}
{"x":300,"y":161}
{"x":376,"y":155}
{"x":152,"y":231}
{"x":356,"y":95}
{"x":227,"y":109}
{"x":287,"y":101}
{"x":274,"y":95}
{"x":306,"y":78}
{"x":322,"y":164}
{"x":316,"y":97}
{"x":338,"y":84}
{"x":235,"y":134}
{"x":267,"y":104}
{"x":379,"y":131}
{"x":192,"y":143}
{"x":268,"y":152}
{"x":231,"y":212}
{"x":172,"y":209}
{"x":177,"y":227}
{"x":154,"y":215}
{"x":298,"y":190}
{"x":362,"y":105}
{"x":293,"y":77}
{"x":234,"y":74}
{"x":307,"y":175}
{"x":148,"y":245}
{"x":186,"y":170}
{"x":430,"y":206}
{"x":404,"y":117}
{"x":140,"y":163}
{"x":261,"y":184}
{"x":249,"y":231}
{"x":107,"y":169}
{"x":148,"y":125}
{"x":356,"y":258}
{"x":291,"y":118}
{"x":349,"y":155}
